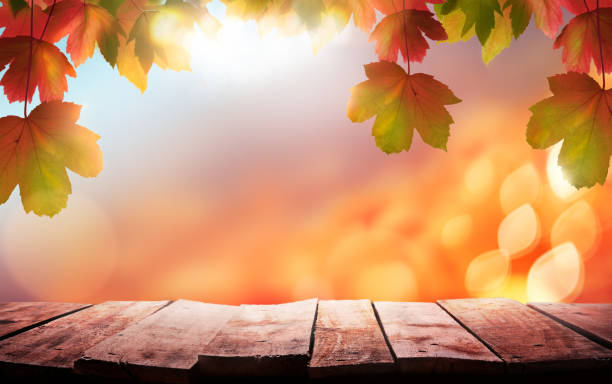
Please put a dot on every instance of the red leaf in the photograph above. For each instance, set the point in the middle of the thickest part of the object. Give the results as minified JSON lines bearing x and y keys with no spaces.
{"x":397,"y":30}
{"x":580,"y":41}
{"x":19,"y":24}
{"x":577,"y":6}
{"x":86,"y":24}
{"x":49,"y":69}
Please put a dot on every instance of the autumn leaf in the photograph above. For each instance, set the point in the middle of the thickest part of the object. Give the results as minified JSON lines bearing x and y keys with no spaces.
{"x":578,"y":6}
{"x":402,"y":102}
{"x":16,"y":21}
{"x":498,"y":40}
{"x":112,"y":6}
{"x":392,"y":6}
{"x":406,"y":28}
{"x":86,"y":25}
{"x":478,"y":13}
{"x":580,"y":114}
{"x":48,"y":70}
{"x":35,"y":152}
{"x":178,"y":19}
{"x":363,"y":12}
{"x":246,"y":9}
{"x":548,"y":15}
{"x":580,"y":41}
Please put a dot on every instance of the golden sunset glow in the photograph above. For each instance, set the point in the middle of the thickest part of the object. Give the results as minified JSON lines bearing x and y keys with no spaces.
{"x":244,"y":181}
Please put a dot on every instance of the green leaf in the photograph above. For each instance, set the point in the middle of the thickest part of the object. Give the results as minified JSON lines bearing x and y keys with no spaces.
{"x":17,"y":5}
{"x":111,"y":5}
{"x":402,"y":103}
{"x":580,"y":114}
{"x":478,"y":13}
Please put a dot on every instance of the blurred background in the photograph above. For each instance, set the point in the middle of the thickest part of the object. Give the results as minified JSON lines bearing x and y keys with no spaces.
{"x":243,"y":181}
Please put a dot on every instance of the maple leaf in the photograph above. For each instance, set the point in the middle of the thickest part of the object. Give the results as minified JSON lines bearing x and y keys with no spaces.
{"x":580,"y":114}
{"x":580,"y":41}
{"x":498,"y":40}
{"x":548,"y":15}
{"x":363,"y":12}
{"x":16,"y":21}
{"x":48,"y":70}
{"x":402,"y":102}
{"x":406,"y":28}
{"x":246,"y":9}
{"x":478,"y":13}
{"x":86,"y":24}
{"x":35,"y":152}
{"x":178,"y":18}
{"x":577,"y":7}
{"x":392,"y":6}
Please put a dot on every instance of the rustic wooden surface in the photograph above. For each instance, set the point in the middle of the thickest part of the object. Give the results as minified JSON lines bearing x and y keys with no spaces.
{"x":262,"y":340}
{"x":351,"y":341}
{"x":348,"y":340}
{"x":525,"y":339}
{"x":591,"y":320}
{"x":162,"y":347}
{"x":424,"y":338}
{"x":59,"y":343}
{"x":16,"y":317}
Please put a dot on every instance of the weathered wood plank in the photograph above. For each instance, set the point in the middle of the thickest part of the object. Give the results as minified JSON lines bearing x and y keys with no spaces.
{"x":262,"y":340}
{"x":57,"y":344}
{"x":424,"y":339}
{"x":348,"y":340}
{"x":525,"y":339}
{"x":591,"y":320}
{"x":17,"y":317}
{"x":163,"y":347}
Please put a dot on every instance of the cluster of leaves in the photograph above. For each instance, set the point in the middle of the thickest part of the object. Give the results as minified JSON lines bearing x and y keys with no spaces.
{"x":132,"y":35}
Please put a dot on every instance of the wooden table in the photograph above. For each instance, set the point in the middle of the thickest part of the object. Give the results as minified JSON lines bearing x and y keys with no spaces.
{"x":186,"y":341}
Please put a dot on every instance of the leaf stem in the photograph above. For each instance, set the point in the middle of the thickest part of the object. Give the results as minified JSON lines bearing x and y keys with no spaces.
{"x":601,"y":55}
{"x":406,"y":36}
{"x":48,"y":18}
{"x":27,"y":88}
{"x":587,"y":6}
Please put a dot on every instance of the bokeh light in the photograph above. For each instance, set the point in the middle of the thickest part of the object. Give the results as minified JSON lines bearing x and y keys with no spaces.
{"x":557,"y":275}
{"x":579,"y":225}
{"x":519,"y":231}
{"x":71,"y":257}
{"x":487,"y":272}
{"x":520,"y":187}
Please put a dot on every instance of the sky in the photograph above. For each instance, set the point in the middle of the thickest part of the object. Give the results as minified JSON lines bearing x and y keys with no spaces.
{"x":243,"y":181}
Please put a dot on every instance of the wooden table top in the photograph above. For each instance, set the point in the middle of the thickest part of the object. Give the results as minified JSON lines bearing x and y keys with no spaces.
{"x":186,"y":341}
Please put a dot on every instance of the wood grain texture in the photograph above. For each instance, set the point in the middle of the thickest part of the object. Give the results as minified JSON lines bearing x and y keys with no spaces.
{"x":424,"y":339}
{"x":262,"y":340}
{"x":16,"y":317}
{"x":348,"y":340}
{"x":163,"y":347}
{"x":591,"y":320}
{"x":525,"y":339}
{"x":57,"y":344}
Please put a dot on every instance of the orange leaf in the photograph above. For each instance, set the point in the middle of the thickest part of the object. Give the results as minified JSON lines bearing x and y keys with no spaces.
{"x":35,"y":152}
{"x":577,"y":6}
{"x":86,"y":24}
{"x":49,"y":69}
{"x":406,"y":28}
{"x":580,"y":41}
{"x":402,"y":103}
{"x":392,"y":6}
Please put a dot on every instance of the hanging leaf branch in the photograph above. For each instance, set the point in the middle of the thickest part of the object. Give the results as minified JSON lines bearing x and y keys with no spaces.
{"x":36,"y":149}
